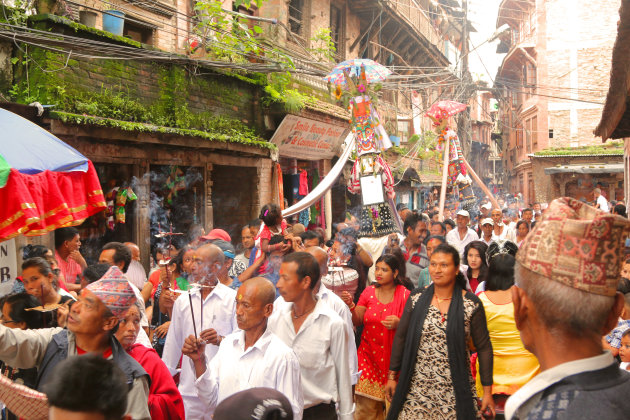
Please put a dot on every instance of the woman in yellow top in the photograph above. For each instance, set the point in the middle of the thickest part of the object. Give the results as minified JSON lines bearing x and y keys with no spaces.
{"x":513,"y":365}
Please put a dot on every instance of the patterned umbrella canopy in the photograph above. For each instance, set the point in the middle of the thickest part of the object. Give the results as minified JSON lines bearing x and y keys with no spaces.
{"x":443,"y":109}
{"x":374,"y":72}
{"x":44,"y":183}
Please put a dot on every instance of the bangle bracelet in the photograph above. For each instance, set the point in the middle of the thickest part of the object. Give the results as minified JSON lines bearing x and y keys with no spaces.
{"x":352,"y":307}
{"x":392,"y":375}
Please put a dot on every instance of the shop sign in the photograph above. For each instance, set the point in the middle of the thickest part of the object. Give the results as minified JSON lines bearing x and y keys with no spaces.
{"x":8,"y":266}
{"x":307,"y":139}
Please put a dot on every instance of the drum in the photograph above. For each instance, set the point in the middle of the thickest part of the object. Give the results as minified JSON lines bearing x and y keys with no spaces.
{"x":341,"y":279}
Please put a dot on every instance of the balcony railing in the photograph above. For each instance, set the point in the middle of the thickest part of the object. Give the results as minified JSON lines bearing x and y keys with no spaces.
{"x":411,"y":12}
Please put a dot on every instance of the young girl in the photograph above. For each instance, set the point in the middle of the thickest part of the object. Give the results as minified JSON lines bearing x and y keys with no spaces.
{"x":38,"y":279}
{"x":475,"y":259}
{"x":273,"y":224}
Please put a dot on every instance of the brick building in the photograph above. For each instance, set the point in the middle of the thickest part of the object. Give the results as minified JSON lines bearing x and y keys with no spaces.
{"x":552,"y":82}
{"x":181,"y":130}
{"x":484,"y":154}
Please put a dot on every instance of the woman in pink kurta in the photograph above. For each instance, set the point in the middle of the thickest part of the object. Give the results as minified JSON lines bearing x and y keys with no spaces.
{"x":379,"y":309}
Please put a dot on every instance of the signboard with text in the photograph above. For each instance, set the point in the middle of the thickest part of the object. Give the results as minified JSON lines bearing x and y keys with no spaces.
{"x":8,"y":266}
{"x":307,"y":139}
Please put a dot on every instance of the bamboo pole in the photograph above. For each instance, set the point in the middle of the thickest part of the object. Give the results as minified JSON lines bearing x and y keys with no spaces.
{"x":444,"y":178}
{"x":483,"y":187}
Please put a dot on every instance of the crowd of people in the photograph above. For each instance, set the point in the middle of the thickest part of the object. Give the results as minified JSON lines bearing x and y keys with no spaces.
{"x":515,"y":312}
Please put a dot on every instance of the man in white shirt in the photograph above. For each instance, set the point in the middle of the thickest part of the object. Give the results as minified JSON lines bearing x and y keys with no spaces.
{"x":318,"y":337}
{"x":251,"y":358}
{"x":135,"y":273}
{"x":336,"y":304}
{"x":600,"y":201}
{"x":487,"y":231}
{"x":462,"y":235}
{"x":218,"y":304}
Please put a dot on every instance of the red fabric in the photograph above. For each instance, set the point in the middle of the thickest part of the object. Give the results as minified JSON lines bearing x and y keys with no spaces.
{"x":154,"y":278}
{"x":23,"y":401}
{"x":36,"y":204}
{"x":165,"y":401}
{"x":106,"y":354}
{"x":376,"y":342}
{"x":303,"y":190}
{"x":474,"y":283}
{"x":265,"y":233}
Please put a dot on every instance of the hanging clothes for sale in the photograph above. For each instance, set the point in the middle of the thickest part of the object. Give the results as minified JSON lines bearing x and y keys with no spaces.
{"x":303,"y":188}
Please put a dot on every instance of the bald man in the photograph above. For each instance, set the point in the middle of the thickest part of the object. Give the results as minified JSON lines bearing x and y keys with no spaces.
{"x":218,"y":303}
{"x":250,"y":358}
{"x":135,"y":273}
{"x":335,"y":303}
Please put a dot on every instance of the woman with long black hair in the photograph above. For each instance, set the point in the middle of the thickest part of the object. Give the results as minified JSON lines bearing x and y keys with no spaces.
{"x":430,"y":375}
{"x":475,"y":259}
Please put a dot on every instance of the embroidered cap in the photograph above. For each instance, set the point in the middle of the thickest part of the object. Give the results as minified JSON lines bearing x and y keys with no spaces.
{"x":114,"y":291}
{"x":577,"y":245}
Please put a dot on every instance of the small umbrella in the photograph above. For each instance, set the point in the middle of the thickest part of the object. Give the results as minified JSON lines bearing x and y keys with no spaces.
{"x":44,"y":183}
{"x":442,"y":109}
{"x":374,"y":72}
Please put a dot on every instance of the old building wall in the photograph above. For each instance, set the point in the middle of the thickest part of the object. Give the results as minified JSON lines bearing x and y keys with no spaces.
{"x":579,"y":50}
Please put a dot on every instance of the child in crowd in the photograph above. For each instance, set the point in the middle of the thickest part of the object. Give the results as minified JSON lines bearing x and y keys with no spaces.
{"x":273,"y":224}
{"x":624,"y":282}
{"x":612,"y":341}
{"x":624,"y":350}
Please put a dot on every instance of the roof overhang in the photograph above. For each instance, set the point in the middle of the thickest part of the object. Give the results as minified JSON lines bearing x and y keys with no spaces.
{"x":596,"y":168}
{"x":615,"y":122}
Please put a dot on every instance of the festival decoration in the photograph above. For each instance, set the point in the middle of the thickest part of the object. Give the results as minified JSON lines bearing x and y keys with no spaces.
{"x":354,"y":79}
{"x":373,"y":72}
{"x":457,"y":175}
{"x":44,"y":183}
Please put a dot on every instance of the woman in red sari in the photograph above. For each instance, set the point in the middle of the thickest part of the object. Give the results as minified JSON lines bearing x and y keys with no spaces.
{"x":379,"y":309}
{"x":165,"y":401}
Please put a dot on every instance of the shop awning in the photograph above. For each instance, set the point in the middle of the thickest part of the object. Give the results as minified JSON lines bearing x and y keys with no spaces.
{"x":598,"y":168}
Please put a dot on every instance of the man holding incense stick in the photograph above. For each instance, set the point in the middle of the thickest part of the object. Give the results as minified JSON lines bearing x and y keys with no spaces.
{"x":208,"y":312}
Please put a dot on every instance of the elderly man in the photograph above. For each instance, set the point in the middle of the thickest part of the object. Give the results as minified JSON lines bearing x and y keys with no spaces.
{"x":462,"y":235}
{"x":487,"y":231}
{"x":565,"y":299}
{"x":135,"y":273}
{"x":600,"y":201}
{"x":318,"y":337}
{"x":500,"y":229}
{"x":251,"y":358}
{"x":207,"y":310}
{"x":92,"y":321}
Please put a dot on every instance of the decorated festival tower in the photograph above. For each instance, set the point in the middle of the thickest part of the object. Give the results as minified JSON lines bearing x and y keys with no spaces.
{"x":371,"y":175}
